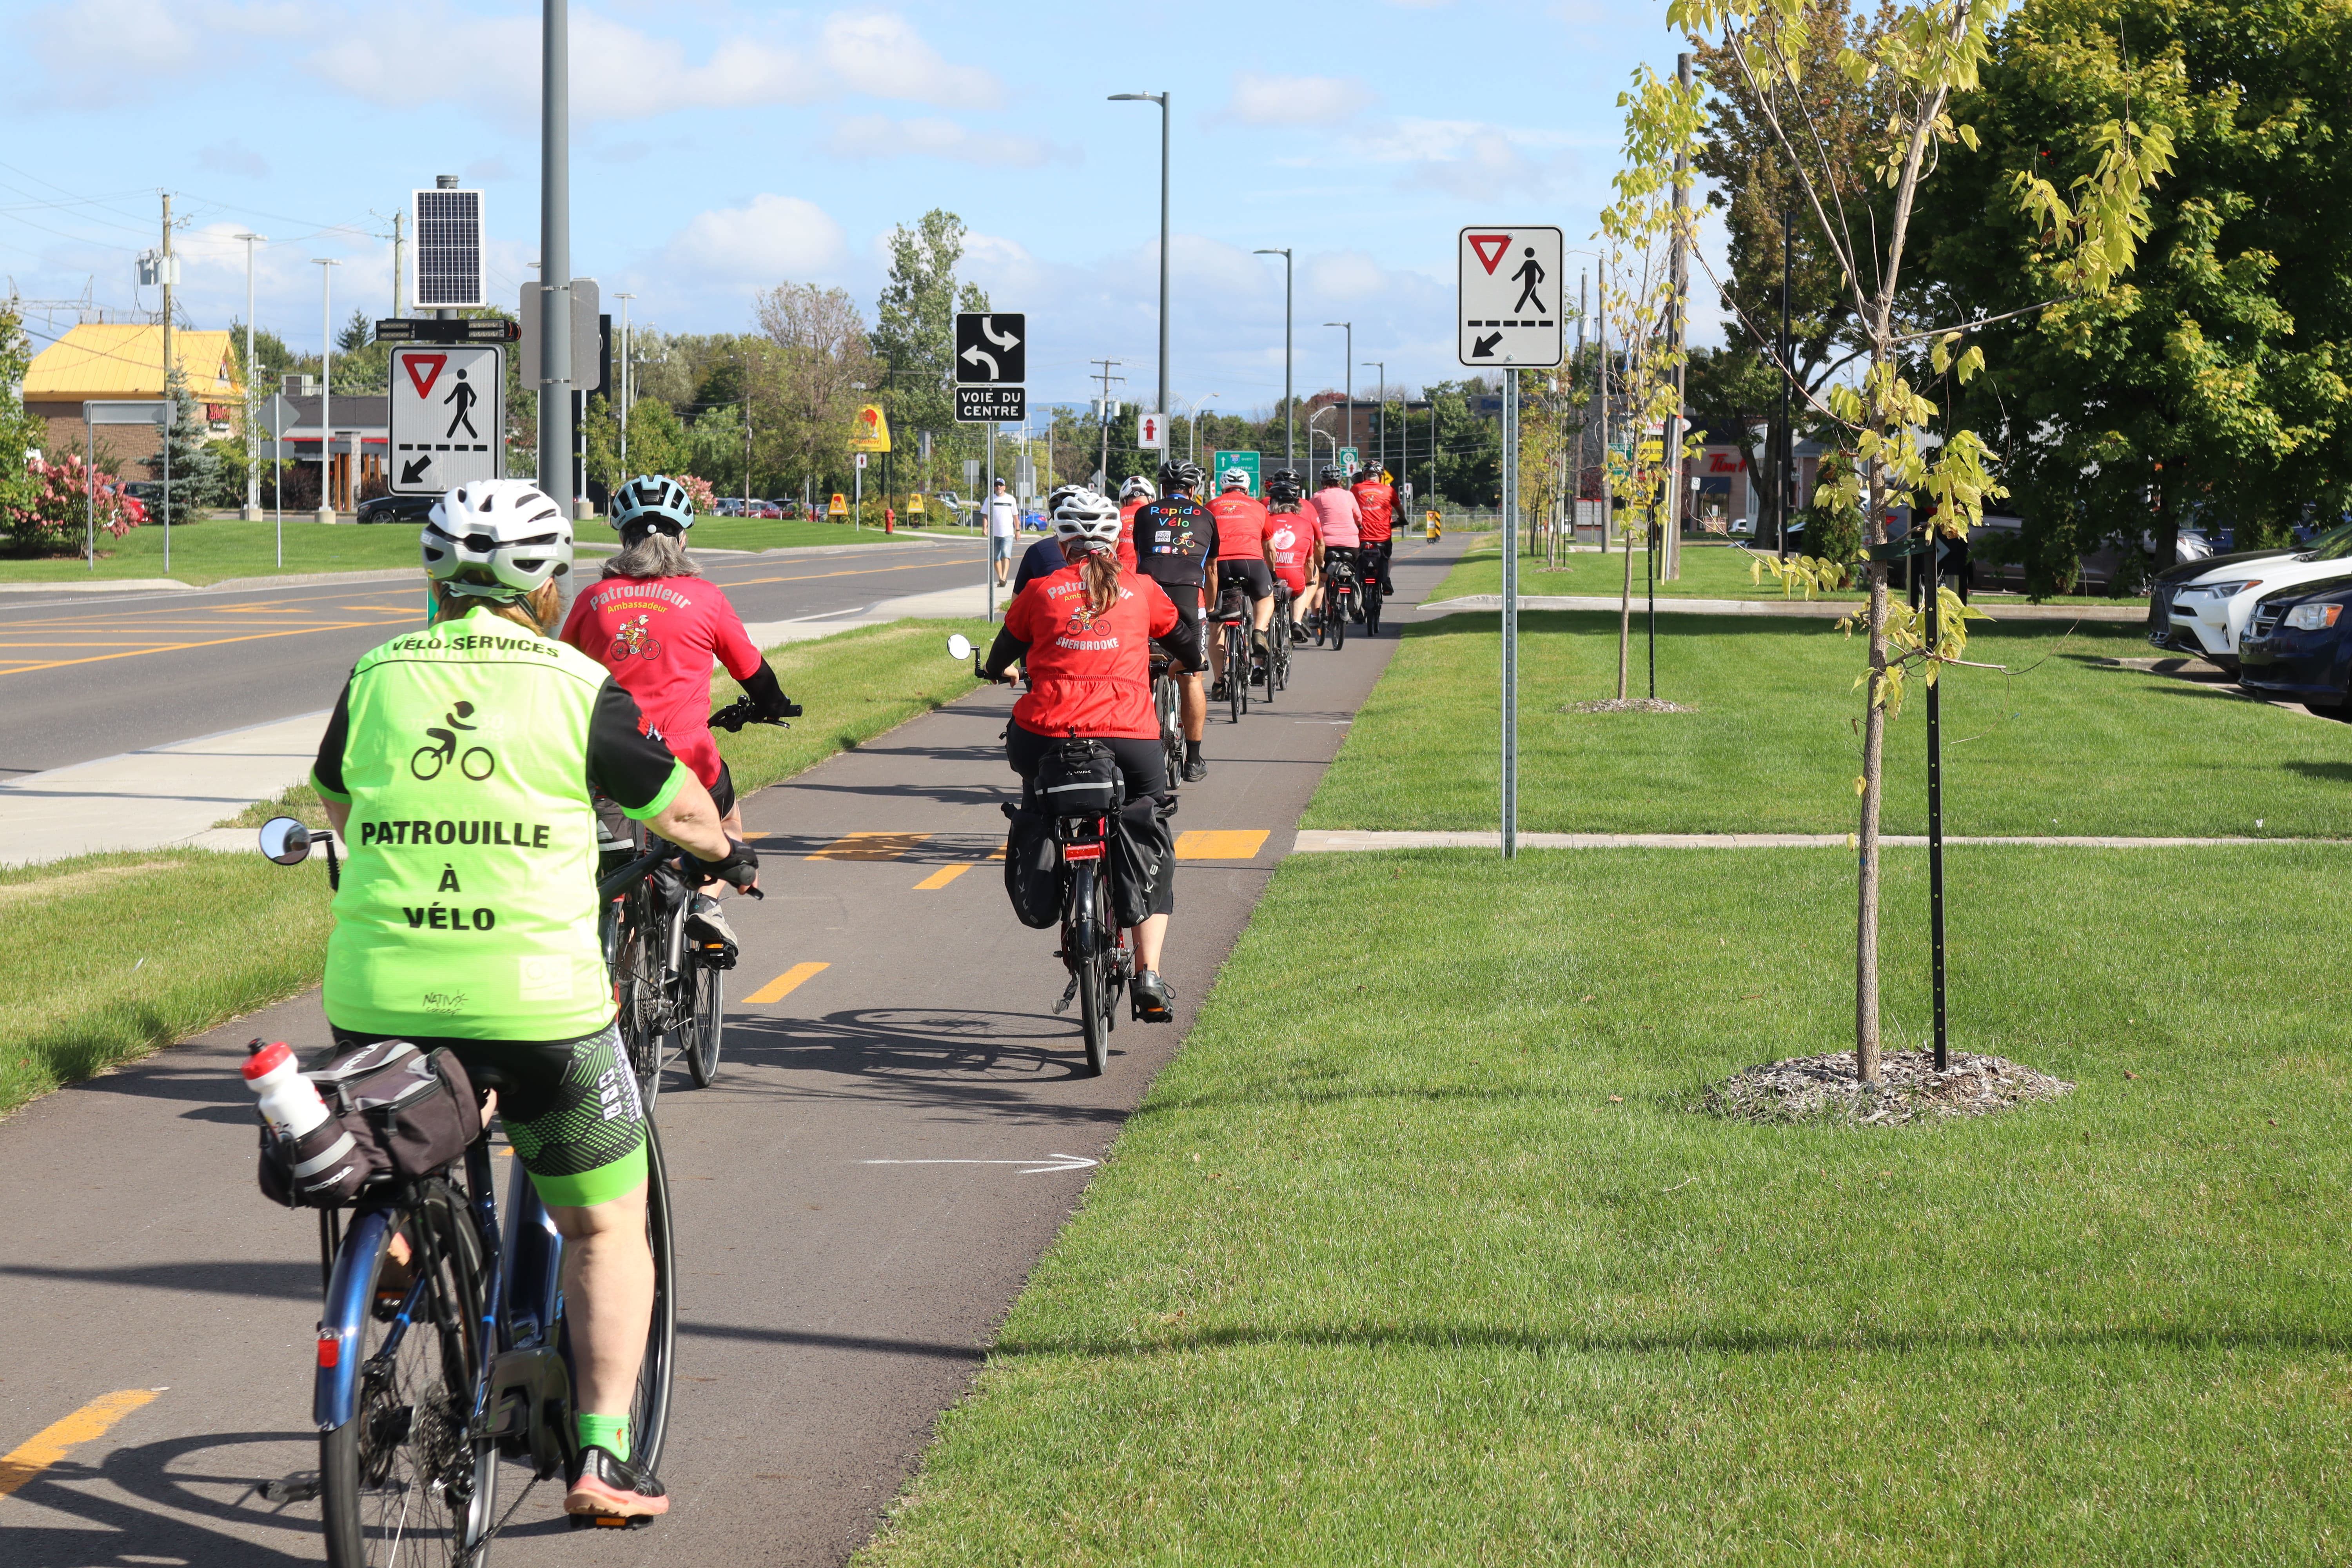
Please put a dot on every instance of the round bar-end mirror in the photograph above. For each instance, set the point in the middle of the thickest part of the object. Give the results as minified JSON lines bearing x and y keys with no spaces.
{"x":959,"y":645}
{"x":285,"y":840}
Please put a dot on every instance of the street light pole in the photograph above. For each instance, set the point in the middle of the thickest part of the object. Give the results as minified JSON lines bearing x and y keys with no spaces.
{"x":1351,"y":327}
{"x":1289,"y":404}
{"x":1162,"y":100}
{"x":252,"y":471}
{"x":625,"y":299}
{"x":554,"y":369}
{"x":326,"y":266}
{"x":1382,"y":392}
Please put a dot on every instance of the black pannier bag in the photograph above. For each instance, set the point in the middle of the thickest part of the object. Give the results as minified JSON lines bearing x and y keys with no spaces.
{"x":392,"y":1111}
{"x":1142,"y":852}
{"x":1030,"y":861}
{"x":1079,"y":778}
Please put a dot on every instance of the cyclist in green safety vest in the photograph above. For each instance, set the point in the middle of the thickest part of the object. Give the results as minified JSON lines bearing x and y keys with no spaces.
{"x":457,"y":767}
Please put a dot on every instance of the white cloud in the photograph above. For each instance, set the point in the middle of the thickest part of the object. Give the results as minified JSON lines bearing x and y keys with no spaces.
{"x":1346,"y":276}
{"x":1469,"y":158}
{"x":1260,"y":100}
{"x":875,"y":136}
{"x":234,"y":157}
{"x":772,"y":239}
{"x":879,"y":54}
{"x":112,"y":35}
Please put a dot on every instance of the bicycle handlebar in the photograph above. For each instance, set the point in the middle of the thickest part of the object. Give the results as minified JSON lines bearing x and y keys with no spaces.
{"x":637,"y":870}
{"x":742,"y":711}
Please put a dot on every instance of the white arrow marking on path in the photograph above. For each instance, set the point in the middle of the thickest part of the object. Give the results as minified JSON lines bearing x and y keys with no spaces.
{"x":1038,"y":1166}
{"x":974,"y":355}
{"x":988,"y":329}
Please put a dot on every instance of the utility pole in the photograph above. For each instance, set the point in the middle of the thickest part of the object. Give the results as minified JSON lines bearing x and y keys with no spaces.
{"x":626,"y":383}
{"x":1671,"y":567}
{"x":252,"y":467}
{"x":1289,"y":401}
{"x":326,"y":266}
{"x":399,"y":252}
{"x":1102,"y":408}
{"x":1351,"y":327}
{"x":1162,"y":100}
{"x":554,"y":368}
{"x":170,"y":395}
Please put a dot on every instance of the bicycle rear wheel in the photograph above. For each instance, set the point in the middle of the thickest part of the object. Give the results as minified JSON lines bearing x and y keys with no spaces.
{"x":637,"y":997}
{"x":649,"y":1411}
{"x":1236,"y":673}
{"x":401,"y":1485}
{"x":1341,"y":603}
{"x":698,"y":1029}
{"x":1371,"y":611}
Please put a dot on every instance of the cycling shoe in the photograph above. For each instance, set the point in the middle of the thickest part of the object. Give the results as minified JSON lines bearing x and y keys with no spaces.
{"x":1154,"y":1002}
{"x":610,"y":1493}
{"x":712,"y":937}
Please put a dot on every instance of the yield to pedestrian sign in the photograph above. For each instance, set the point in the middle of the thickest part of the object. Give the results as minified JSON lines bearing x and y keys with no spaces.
{"x":1511,"y":304}
{"x":448,"y":416}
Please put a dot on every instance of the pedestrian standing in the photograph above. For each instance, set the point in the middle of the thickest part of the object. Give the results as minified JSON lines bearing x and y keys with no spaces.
{"x":1004,"y":522}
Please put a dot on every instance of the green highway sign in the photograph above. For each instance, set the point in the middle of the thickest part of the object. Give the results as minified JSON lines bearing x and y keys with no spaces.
{"x":1246,"y":461}
{"x":1350,"y":459}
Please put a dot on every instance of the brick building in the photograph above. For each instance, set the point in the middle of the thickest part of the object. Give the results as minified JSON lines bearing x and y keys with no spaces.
{"x":106,"y":361}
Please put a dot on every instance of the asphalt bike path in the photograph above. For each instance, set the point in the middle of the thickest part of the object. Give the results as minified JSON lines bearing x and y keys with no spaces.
{"x":899,"y":1129}
{"x":83,"y":679}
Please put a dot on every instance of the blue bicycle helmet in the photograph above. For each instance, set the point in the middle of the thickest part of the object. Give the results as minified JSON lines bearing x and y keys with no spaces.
{"x":650,"y":502}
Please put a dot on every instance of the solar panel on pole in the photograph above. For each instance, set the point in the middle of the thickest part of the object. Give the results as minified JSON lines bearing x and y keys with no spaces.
{"x":449,"y":249}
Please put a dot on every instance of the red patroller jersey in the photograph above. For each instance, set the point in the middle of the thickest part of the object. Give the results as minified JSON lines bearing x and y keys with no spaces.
{"x":1241,"y":527}
{"x":1292,"y":538}
{"x":1377,"y":502}
{"x":659,"y":636}
{"x":1089,"y":672}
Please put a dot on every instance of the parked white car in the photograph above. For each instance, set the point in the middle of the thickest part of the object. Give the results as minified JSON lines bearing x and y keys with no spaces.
{"x":2211,"y":610}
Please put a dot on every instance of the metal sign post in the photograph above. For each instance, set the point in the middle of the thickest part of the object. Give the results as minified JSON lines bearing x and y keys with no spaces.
{"x":988,"y":524}
{"x":1510,"y":615}
{"x":277,"y":416}
{"x":1936,"y":810}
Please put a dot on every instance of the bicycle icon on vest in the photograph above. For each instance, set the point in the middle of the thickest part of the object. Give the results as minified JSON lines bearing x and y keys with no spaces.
{"x":476,"y":763}
{"x":635,"y":638}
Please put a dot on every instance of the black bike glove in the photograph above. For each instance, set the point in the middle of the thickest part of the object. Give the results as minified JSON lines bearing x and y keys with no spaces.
{"x":739,"y":868}
{"x":761,"y":686}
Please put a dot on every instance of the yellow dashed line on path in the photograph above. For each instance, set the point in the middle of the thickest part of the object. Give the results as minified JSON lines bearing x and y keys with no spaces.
{"x":783,"y":984}
{"x":1221,"y":843}
{"x":47,"y":1447}
{"x":942,"y":877}
{"x":871,"y":847}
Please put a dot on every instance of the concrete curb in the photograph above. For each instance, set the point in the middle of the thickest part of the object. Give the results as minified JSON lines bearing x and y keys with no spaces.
{"x":1328,"y":841}
{"x":1474,"y":604}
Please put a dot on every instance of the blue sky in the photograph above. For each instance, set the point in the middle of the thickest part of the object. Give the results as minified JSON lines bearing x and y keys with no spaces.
{"x":718,"y":148}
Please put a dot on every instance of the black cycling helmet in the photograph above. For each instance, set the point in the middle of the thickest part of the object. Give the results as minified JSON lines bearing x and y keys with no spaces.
{"x":1332,"y":474}
{"x":1176,"y":475}
{"x":1364,"y":475}
{"x":1283,"y":485}
{"x":651,"y":503}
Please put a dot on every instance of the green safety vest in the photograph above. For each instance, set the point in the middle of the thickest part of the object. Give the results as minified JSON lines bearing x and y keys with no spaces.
{"x":468,"y":905}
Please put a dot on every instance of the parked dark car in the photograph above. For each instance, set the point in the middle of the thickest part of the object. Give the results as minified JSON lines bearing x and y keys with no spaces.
{"x":2297,"y":645}
{"x":397,"y":508}
{"x":2161,"y":628}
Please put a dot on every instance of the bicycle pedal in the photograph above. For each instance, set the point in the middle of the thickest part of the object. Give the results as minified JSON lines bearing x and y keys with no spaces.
{"x":610,"y":1520}
{"x":717,"y":955}
{"x":302,"y":1486}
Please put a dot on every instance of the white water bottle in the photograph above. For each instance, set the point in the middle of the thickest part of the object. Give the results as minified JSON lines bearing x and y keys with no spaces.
{"x":289,"y":1103}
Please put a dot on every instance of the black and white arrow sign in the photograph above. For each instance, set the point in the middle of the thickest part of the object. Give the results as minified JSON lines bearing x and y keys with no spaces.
{"x":991,"y":349}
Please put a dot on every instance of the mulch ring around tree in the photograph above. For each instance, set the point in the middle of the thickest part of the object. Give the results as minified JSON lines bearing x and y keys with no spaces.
{"x":1628,"y":705}
{"x":1818,"y":1090}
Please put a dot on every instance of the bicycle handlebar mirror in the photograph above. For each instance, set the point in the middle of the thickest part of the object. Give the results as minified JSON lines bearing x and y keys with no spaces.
{"x":285,"y":840}
{"x":959,"y":645}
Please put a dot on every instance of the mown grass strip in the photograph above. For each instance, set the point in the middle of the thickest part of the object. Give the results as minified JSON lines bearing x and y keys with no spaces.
{"x":1413,"y":1255}
{"x":2065,"y":746}
{"x":119,"y":955}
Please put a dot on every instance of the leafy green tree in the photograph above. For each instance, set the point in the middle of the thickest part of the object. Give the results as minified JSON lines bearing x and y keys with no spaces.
{"x":2211,"y":384}
{"x":1469,"y":445}
{"x":914,"y":331}
{"x":194,"y":477}
{"x":21,"y":433}
{"x":1734,"y":395}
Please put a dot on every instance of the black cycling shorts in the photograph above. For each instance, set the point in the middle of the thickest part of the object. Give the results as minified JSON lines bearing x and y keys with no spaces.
{"x":1253,"y":576}
{"x":1142,"y":763}
{"x":722,"y":794}
{"x":1190,"y":653}
{"x":569,"y":1107}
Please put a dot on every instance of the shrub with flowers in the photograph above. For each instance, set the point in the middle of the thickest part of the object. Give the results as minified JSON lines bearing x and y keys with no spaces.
{"x":55,"y":519}
{"x":697,"y":490}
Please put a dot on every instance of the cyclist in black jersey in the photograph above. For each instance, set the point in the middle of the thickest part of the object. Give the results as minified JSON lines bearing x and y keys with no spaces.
{"x":1175,"y":538}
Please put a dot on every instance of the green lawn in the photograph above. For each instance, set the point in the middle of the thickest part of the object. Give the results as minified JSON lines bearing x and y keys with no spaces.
{"x":1710,"y":571}
{"x":210,"y":551}
{"x":1411,"y":1258}
{"x":2064,"y":746}
{"x":224,"y":935}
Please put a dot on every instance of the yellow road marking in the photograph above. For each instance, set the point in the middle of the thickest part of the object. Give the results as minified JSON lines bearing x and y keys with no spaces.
{"x":783,"y":984}
{"x":47,"y":1447}
{"x":184,"y":647}
{"x":942,"y":877}
{"x":870,"y":847}
{"x":1220,"y":844}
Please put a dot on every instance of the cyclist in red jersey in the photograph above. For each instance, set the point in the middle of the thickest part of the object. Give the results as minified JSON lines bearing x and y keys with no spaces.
{"x":1245,"y":566}
{"x":1133,"y":497}
{"x":1296,"y":545}
{"x":1084,"y":635}
{"x":1376,"y":497}
{"x":658,"y":625}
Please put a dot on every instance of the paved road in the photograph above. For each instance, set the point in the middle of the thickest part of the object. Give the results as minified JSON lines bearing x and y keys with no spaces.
{"x":87,"y":677}
{"x":831,"y":1307}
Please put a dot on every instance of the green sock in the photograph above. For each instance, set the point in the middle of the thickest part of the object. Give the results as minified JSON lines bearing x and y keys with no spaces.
{"x":610,"y":1433}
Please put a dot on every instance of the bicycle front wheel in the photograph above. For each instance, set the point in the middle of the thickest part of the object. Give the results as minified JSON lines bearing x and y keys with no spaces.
{"x":699,"y":1030}
{"x":401,"y":1485}
{"x":649,"y":1410}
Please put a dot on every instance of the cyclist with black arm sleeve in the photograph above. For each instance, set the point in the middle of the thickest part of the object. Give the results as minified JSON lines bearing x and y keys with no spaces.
{"x":1175,"y":538}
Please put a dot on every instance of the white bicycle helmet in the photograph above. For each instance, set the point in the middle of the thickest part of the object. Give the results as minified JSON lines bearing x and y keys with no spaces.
{"x":1235,"y":480}
{"x":497,"y":538}
{"x":1080,"y":516}
{"x":1137,"y":488}
{"x":652,"y":501}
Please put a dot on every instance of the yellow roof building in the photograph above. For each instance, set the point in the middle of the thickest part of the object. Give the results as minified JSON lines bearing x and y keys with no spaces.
{"x":106,"y":361}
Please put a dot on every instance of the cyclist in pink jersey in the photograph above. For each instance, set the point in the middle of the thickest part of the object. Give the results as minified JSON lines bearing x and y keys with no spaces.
{"x":1339,"y":518}
{"x":658,"y":625}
